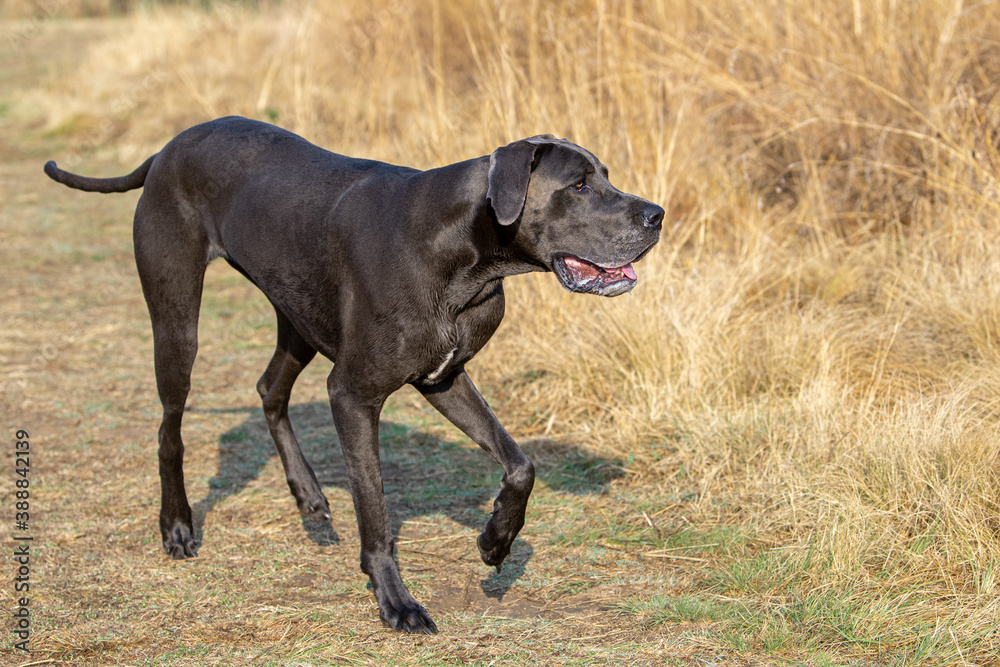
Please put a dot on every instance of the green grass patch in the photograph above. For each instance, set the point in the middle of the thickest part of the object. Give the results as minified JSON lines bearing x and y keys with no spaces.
{"x":769,"y":603}
{"x":681,"y":609}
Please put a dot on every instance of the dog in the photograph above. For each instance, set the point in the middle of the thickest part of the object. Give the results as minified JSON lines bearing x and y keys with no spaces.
{"x":393,"y":274}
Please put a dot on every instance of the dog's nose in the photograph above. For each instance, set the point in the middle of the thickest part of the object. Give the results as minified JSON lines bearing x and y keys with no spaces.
{"x":652,"y":215}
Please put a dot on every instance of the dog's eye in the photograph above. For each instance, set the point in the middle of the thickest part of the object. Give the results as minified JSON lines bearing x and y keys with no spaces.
{"x":580,"y":187}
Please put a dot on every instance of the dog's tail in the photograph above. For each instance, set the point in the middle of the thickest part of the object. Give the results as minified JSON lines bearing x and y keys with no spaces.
{"x":119,"y":184}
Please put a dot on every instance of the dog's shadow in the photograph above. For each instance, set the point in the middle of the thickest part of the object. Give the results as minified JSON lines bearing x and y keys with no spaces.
{"x":424,"y":476}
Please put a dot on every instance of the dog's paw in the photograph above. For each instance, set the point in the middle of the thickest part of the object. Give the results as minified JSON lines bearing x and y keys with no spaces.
{"x":180,"y":543}
{"x":312,"y":504}
{"x":493,"y":550}
{"x":316,"y":509}
{"x":409,"y":617}
{"x":397,"y":608}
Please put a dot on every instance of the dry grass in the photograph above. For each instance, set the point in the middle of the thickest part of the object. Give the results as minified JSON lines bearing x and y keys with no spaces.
{"x":812,"y":355}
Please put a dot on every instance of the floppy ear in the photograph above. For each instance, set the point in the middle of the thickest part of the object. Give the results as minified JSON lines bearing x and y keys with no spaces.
{"x":510,"y":171}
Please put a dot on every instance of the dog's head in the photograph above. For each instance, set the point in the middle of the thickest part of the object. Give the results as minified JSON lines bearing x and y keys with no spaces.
{"x":569,"y":216}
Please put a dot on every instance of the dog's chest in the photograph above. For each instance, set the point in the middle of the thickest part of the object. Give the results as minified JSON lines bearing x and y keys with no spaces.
{"x":460,"y":339}
{"x":442,"y":369}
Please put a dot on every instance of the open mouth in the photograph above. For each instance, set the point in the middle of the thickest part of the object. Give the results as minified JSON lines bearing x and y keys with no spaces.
{"x":579,"y":275}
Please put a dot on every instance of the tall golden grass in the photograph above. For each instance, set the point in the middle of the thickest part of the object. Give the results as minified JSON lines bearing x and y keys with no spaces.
{"x":814,"y":347}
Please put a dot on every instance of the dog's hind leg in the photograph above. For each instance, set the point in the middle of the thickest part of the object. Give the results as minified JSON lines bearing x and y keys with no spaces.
{"x":275,"y":387}
{"x":171,"y":253}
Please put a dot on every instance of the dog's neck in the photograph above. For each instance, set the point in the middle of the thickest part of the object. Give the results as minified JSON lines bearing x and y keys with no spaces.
{"x":473,"y":249}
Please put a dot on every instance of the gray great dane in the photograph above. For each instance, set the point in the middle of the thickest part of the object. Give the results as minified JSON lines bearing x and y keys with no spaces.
{"x":393,"y":274}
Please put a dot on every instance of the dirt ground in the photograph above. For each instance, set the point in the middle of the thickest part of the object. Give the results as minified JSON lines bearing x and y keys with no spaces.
{"x":267,"y":588}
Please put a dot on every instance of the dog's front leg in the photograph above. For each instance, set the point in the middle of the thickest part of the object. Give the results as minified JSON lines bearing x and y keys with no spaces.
{"x":357,"y":426}
{"x":457,"y":398}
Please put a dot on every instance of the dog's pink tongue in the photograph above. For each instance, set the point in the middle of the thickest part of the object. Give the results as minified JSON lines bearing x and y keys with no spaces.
{"x":582,"y":268}
{"x":585,"y":269}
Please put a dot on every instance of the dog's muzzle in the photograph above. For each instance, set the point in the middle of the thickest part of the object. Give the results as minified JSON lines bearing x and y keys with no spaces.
{"x":580,"y":275}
